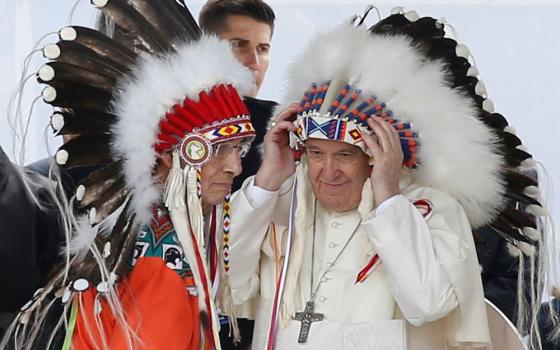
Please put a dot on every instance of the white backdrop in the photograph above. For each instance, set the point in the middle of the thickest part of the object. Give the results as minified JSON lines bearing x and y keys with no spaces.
{"x":514,"y":43}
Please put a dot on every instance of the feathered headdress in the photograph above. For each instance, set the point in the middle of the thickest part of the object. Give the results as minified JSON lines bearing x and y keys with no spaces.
{"x":162,"y":88}
{"x":406,"y":70}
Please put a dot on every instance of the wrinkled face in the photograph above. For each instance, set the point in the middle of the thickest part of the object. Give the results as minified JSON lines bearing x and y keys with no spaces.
{"x":337,"y":172}
{"x":217,"y":175}
{"x":250,"y":41}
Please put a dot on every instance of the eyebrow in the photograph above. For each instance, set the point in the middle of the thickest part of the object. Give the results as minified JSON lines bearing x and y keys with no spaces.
{"x":239,"y":39}
{"x":245,"y":41}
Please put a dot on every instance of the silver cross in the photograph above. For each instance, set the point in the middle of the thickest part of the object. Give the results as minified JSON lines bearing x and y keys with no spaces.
{"x":307,"y":317}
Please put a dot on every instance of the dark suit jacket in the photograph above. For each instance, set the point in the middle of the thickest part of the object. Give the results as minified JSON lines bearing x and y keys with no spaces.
{"x":30,"y":238}
{"x":261,"y":112}
{"x":499,"y":270}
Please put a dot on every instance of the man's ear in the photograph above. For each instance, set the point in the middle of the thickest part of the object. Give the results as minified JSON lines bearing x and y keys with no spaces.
{"x":166,"y":159}
{"x":164,"y":162}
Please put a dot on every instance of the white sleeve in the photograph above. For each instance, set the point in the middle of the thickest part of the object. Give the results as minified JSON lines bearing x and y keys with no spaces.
{"x":417,"y":278}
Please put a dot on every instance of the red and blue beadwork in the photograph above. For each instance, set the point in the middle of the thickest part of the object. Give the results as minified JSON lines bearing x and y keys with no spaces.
{"x":219,"y":115}
{"x":344,"y":118}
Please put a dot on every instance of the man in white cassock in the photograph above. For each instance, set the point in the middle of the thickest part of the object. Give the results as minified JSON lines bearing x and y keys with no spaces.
{"x":360,"y":245}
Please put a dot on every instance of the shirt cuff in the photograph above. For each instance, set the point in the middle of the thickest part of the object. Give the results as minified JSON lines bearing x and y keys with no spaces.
{"x":386,"y":203}
{"x":258,"y":196}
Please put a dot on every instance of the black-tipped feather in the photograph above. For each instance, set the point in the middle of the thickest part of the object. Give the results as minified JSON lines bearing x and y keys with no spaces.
{"x":126,"y":247}
{"x":87,"y":150}
{"x":459,"y":66}
{"x":185,"y":17}
{"x":498,"y":121}
{"x":110,"y":200}
{"x":74,"y":53}
{"x":428,"y":36}
{"x":424,"y":29}
{"x":467,"y":84}
{"x":521,"y":198}
{"x":389,"y":24}
{"x":440,"y":48}
{"x":104,"y":46}
{"x":116,"y":236}
{"x":514,"y":156}
{"x":518,"y":182}
{"x":65,"y":73}
{"x":134,"y":23}
{"x":519,"y":218}
{"x":163,"y":15}
{"x":502,"y":226}
{"x":85,"y":122}
{"x":509,"y":139}
{"x":99,"y":182}
{"x":71,"y":95}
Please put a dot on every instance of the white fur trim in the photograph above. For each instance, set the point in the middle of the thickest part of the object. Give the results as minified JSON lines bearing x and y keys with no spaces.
{"x":528,"y":163}
{"x":84,"y":234}
{"x":80,"y":193}
{"x":510,"y":129}
{"x":531,"y":233}
{"x":536,"y":210}
{"x":411,"y":16}
{"x":472,"y":72}
{"x":157,"y":83}
{"x":532,"y":191}
{"x":61,"y":157}
{"x":513,"y":250}
{"x":488,"y":105}
{"x":462,"y":51}
{"x":57,"y":121}
{"x":480,"y":89}
{"x":527,"y":248}
{"x":453,"y":142}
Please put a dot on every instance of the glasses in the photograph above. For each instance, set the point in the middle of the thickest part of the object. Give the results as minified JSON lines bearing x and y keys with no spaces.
{"x":345,"y":157}
{"x":223,"y":150}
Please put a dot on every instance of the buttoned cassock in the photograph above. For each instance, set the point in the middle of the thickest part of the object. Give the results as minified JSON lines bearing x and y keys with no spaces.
{"x":425,"y":294}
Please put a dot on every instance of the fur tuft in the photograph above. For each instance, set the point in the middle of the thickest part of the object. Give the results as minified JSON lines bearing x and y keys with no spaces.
{"x":83,"y":236}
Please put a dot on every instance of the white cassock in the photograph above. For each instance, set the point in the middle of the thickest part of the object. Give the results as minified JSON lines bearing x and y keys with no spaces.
{"x":425,"y":292}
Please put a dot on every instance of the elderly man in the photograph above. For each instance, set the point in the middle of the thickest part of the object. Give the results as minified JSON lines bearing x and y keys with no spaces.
{"x":141,"y":268}
{"x":367,"y":243}
{"x":363,"y":260}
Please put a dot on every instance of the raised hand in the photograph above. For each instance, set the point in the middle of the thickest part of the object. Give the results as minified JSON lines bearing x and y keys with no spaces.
{"x":385,"y":146}
{"x":278,"y":158}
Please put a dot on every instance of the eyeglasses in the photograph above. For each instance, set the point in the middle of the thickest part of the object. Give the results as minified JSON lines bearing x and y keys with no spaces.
{"x":345,"y":157}
{"x":223,"y":150}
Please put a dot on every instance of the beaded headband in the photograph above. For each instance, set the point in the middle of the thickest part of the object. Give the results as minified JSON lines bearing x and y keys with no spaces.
{"x":342,"y":116}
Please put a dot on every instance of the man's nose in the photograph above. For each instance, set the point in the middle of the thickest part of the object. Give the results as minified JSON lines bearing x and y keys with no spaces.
{"x":252,"y":60}
{"x":232,"y":163}
{"x":330,"y":166}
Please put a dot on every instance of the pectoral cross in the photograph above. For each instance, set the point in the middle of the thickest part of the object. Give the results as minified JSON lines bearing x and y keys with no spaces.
{"x":307,"y":317}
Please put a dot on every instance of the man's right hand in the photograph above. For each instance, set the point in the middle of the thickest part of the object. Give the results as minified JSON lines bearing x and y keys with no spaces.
{"x":278,"y":158}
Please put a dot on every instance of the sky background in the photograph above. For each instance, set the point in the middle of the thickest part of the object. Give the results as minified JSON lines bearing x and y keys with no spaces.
{"x":514,"y":43}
